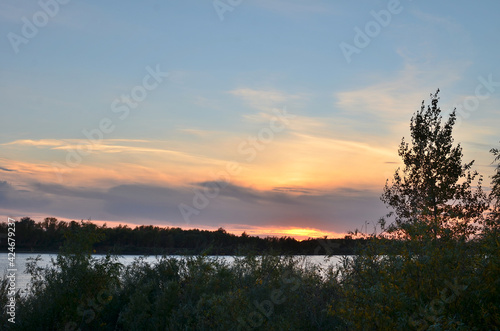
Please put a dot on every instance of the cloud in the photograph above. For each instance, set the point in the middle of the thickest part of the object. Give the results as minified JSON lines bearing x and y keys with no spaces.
{"x":106,"y":147}
{"x":21,"y":199}
{"x":60,"y":190}
{"x":36,"y":143}
{"x":265,"y":100}
{"x":106,"y":151}
{"x":396,"y":98}
{"x":310,"y":152}
{"x":70,"y":143}
{"x":336,"y":211}
{"x":285,"y":189}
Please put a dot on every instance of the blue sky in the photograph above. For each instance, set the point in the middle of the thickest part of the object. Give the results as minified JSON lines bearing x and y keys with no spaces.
{"x":227,"y":80}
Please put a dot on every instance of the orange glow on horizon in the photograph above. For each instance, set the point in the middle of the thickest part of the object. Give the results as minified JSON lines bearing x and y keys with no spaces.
{"x":236,"y":229}
{"x":296,"y":233}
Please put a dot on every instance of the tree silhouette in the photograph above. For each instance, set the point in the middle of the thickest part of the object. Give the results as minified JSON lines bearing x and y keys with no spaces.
{"x":495,"y":190}
{"x":434,"y":189}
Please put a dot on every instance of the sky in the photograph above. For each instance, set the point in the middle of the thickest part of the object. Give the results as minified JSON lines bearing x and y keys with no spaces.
{"x":275,"y":117}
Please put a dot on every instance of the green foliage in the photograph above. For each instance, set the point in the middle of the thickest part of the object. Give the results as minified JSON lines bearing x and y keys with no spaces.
{"x":61,"y":295}
{"x":495,"y":190}
{"x":183,"y":293}
{"x":437,"y":267}
{"x":201,"y":293}
{"x":434,"y":186}
{"x":80,"y":239}
{"x":5,"y":294}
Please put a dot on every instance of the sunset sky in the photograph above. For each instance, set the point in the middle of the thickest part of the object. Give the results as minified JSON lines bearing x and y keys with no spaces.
{"x":271,"y":117}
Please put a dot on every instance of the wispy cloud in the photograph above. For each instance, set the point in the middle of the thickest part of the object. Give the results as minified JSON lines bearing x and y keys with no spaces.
{"x":265,"y":100}
{"x":108,"y":146}
{"x":5,"y":169}
{"x":36,"y":143}
{"x":446,"y":22}
{"x":296,"y":190}
{"x":398,"y":97}
{"x":66,"y":142}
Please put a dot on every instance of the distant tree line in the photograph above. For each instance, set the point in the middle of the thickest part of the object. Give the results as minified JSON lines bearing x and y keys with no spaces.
{"x":50,"y":234}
